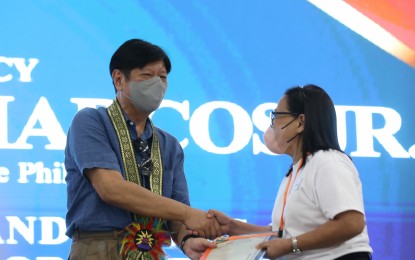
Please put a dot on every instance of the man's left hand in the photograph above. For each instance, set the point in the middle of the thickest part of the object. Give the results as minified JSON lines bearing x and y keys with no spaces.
{"x":195,"y":247}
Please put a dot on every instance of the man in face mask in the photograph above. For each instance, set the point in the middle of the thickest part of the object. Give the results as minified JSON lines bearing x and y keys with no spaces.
{"x":122,"y":201}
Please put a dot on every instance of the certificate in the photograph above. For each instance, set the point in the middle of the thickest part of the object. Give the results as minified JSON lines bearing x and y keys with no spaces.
{"x":239,"y":248}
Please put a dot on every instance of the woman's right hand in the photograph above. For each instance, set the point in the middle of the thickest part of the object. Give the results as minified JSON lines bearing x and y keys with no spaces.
{"x":225,"y":222}
{"x":198,"y":221}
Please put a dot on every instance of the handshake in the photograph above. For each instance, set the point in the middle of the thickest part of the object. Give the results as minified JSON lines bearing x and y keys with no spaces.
{"x":202,"y":226}
{"x":210,"y":225}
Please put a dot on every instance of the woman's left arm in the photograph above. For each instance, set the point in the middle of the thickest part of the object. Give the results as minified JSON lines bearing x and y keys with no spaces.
{"x":344,"y":226}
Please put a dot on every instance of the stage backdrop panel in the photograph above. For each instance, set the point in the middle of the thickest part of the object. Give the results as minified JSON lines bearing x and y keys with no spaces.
{"x":231,"y":63}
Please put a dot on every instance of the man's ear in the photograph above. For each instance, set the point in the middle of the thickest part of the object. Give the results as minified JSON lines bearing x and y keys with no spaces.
{"x":301,"y":120}
{"x":117,"y":78}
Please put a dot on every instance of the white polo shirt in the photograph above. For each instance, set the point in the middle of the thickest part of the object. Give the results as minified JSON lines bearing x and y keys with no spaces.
{"x":328,"y":185}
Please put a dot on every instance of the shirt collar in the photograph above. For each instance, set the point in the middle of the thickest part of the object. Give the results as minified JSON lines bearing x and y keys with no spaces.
{"x":148,"y":131}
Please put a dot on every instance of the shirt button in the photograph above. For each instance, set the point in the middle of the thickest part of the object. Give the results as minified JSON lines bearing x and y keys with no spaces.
{"x":131,"y":123}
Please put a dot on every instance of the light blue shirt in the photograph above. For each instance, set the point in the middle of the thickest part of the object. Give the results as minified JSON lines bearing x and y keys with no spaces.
{"x":93,"y":143}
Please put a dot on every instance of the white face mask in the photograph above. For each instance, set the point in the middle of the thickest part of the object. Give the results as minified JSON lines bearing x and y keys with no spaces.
{"x":147,"y":95}
{"x":274,"y":139}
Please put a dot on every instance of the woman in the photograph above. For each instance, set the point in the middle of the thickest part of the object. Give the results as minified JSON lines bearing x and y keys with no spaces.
{"x":318,"y":212}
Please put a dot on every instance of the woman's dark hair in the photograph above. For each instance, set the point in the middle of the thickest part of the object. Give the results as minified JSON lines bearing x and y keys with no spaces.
{"x":136,"y":53}
{"x":320,"y":126}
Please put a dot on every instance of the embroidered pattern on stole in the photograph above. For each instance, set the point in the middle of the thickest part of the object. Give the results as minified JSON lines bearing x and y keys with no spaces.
{"x":145,"y":236}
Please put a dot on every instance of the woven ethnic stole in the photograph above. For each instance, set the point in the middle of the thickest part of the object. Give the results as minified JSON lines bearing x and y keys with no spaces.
{"x":127,"y":151}
{"x":144,"y":237}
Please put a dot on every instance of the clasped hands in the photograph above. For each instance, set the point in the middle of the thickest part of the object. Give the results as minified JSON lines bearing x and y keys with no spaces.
{"x":210,"y":225}
{"x":213,"y":224}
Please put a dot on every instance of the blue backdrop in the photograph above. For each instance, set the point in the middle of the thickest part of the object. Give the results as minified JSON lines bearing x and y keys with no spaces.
{"x":231,"y":63}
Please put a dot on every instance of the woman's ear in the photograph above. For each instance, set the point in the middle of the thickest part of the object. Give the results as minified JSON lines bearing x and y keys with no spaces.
{"x":301,"y":120}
